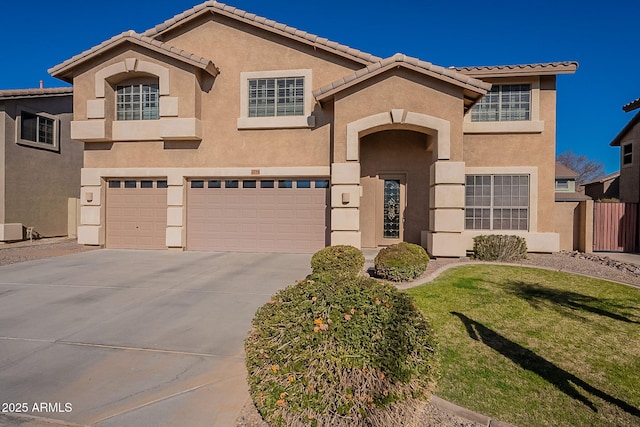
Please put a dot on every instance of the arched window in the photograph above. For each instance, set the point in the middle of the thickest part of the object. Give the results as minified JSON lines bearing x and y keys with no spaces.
{"x":137,"y":101}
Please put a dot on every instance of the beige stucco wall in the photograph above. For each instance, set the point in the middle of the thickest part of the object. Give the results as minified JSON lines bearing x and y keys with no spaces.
{"x":395,"y":152}
{"x":630,"y":173}
{"x":567,"y":224}
{"x":401,"y":89}
{"x":524,"y":149}
{"x":234,"y":48}
{"x":38,"y":182}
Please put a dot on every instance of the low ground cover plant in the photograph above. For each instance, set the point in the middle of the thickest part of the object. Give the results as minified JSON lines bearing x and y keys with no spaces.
{"x":535,"y":347}
{"x":349,"y":352}
{"x":401,"y":262}
{"x":337,"y":263}
{"x":499,"y":247}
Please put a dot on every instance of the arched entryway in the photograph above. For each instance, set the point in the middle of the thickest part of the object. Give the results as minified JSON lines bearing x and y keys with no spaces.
{"x":394,"y":176}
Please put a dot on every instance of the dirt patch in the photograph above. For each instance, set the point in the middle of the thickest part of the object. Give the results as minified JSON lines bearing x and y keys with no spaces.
{"x":13,"y":253}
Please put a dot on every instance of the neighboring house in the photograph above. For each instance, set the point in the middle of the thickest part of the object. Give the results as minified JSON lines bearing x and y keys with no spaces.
{"x":607,"y":187}
{"x":572,"y":223}
{"x":40,"y":164}
{"x":629,"y":142}
{"x":222,"y":130}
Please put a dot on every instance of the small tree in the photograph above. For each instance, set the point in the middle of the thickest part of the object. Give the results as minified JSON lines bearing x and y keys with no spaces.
{"x":586,"y":168}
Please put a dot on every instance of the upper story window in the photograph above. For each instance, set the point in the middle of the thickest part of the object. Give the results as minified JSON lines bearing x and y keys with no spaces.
{"x":562,"y":184}
{"x":627,"y":154}
{"x":504,"y":103}
{"x":137,"y":102}
{"x":276,"y":97}
{"x":37,"y":130}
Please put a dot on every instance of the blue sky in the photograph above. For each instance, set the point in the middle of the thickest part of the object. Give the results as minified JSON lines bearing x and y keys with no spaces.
{"x":601,"y":36}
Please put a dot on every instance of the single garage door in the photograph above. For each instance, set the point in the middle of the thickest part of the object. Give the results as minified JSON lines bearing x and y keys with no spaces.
{"x":268,"y":215}
{"x":136,"y":214}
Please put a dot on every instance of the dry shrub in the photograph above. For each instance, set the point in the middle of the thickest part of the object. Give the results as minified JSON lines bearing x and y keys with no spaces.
{"x":348,"y":353}
{"x":499,"y":247}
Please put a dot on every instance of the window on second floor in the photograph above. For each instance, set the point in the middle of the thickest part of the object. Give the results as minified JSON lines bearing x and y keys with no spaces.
{"x":37,"y":130}
{"x":276,"y":97}
{"x":138,"y":101}
{"x":504,"y":103}
{"x":627,"y":154}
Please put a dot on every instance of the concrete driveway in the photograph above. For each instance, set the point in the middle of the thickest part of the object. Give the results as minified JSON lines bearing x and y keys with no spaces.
{"x":132,"y":338}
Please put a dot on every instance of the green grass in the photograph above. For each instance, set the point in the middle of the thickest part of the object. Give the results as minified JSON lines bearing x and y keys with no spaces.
{"x":535,"y":347}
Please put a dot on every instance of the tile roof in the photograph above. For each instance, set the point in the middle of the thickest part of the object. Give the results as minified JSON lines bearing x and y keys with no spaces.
{"x":632,"y":105}
{"x":35,"y":93}
{"x":139,"y":39}
{"x":613,"y":175}
{"x":563,"y":171}
{"x":261,"y":22}
{"x":539,"y":69}
{"x":574,"y":196}
{"x":400,"y":59}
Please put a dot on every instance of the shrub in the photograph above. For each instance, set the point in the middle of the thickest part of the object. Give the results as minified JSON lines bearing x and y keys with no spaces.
{"x":499,"y":247}
{"x":337,"y":263}
{"x":401,"y":262}
{"x":350,"y":353}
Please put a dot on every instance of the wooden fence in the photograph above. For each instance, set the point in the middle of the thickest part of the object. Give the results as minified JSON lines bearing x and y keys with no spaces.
{"x":615,"y":227}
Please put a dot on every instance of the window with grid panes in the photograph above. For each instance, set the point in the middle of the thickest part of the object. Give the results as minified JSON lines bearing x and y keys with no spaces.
{"x":504,"y":103}
{"x":276,"y":97}
{"x":137,"y":102}
{"x":497,"y":202}
{"x":37,"y":128}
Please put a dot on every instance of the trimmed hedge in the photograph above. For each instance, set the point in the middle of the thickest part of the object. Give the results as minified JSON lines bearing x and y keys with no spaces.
{"x":337,"y":263}
{"x":401,"y":262}
{"x":499,"y":247}
{"x":350,"y":353}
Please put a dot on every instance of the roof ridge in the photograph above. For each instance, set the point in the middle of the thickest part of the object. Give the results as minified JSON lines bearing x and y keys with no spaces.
{"x":131,"y":34}
{"x":17,"y":93}
{"x":264,"y":22}
{"x":401,"y":58}
{"x":512,"y":66}
{"x":631,"y":105}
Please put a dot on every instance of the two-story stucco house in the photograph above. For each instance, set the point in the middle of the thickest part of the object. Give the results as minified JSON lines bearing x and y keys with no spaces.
{"x":39,"y":163}
{"x":628,"y":139}
{"x":222,"y":130}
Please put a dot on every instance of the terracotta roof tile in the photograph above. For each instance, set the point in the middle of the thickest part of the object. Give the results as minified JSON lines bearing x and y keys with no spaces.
{"x":632,"y":105}
{"x":35,"y":93}
{"x":401,"y":59}
{"x":141,"y":40}
{"x":215,"y":6}
{"x":563,"y":67}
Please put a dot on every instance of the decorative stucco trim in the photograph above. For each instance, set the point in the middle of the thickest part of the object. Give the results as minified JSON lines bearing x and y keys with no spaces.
{"x":304,"y":121}
{"x":431,"y":125}
{"x":132,"y":65}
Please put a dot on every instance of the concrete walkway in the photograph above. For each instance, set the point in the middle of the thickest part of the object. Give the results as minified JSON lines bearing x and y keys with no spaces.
{"x":621,"y":256}
{"x":132,"y":338}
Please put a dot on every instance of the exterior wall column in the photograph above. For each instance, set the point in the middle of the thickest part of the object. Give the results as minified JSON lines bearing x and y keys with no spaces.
{"x":92,"y":208}
{"x":176,"y":210}
{"x":345,"y":204}
{"x":446,"y":210}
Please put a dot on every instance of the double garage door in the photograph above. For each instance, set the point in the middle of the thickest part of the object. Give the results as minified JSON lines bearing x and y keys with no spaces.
{"x":268,"y":215}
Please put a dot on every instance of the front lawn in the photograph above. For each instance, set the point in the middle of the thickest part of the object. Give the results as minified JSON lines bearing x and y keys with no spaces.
{"x":535,"y":347}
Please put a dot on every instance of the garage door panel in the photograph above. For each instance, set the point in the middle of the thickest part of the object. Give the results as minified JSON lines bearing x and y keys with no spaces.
{"x":136,"y":218}
{"x":257,"y":219}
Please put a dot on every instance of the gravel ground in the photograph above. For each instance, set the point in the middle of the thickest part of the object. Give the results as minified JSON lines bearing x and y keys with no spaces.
{"x":571,"y":262}
{"x":12,"y":253}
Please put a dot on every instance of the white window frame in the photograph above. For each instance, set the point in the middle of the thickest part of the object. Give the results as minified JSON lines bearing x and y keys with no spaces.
{"x":141,"y":103}
{"x":55,"y":146}
{"x":306,"y":120}
{"x":533,"y":125}
{"x":501,"y":107}
{"x":491,"y":207}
